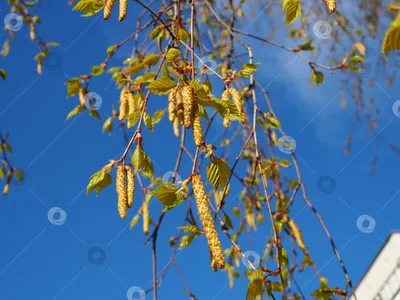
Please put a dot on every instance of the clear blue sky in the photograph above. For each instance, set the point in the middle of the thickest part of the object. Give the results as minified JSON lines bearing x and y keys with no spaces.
{"x":46,"y":262}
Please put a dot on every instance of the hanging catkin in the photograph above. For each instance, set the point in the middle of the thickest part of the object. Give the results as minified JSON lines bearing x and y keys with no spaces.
{"x":130,"y":181}
{"x":123,"y":9}
{"x":189,"y":101}
{"x":108,"y":7}
{"x":197,"y":130}
{"x":331,"y":4}
{"x":121,"y":191}
{"x":123,"y":104}
{"x":179,"y":105}
{"x":146,"y":219}
{"x":32,"y":31}
{"x":176,"y":127}
{"x":131,"y":104}
{"x":171,"y":105}
{"x":297,"y":236}
{"x":207,"y":222}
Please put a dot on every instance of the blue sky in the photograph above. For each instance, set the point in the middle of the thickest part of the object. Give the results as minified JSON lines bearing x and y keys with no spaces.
{"x":46,"y":261}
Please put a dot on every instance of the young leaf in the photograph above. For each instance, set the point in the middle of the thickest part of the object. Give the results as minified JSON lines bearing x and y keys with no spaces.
{"x":140,"y":160}
{"x":100,"y":180}
{"x":134,"y":221}
{"x":161,"y":86}
{"x":307,"y":46}
{"x":167,"y":193}
{"x":76,"y":111}
{"x":107,"y":126}
{"x":158,"y":115}
{"x":187,"y":240}
{"x":317,"y":77}
{"x":190,"y":228}
{"x":391,"y":41}
{"x":255,"y":289}
{"x":173,"y":54}
{"x":3,"y":74}
{"x":292,"y":9}
{"x":151,"y":59}
{"x":73,"y":87}
{"x":247,"y":70}
{"x":97,"y":70}
{"x":89,"y":7}
{"x":218,"y":173}
{"x":148,"y":121}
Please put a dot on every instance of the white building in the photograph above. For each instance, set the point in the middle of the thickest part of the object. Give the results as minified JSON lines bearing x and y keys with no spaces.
{"x":381,"y":281}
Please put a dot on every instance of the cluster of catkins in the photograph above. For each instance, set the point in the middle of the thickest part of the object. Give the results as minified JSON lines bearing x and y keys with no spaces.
{"x":127,"y":104}
{"x":123,"y":9}
{"x":183,"y":109}
{"x":125,"y":186}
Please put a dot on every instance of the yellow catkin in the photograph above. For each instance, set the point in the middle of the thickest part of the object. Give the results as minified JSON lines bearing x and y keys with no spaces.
{"x":298,"y":237}
{"x":39,"y":68}
{"x":121,"y":191}
{"x":32,"y":31}
{"x":207,"y":222}
{"x":189,"y":101}
{"x":331,"y":4}
{"x":179,"y":105}
{"x":130,"y":181}
{"x":197,"y":130}
{"x":131,"y":104}
{"x":82,"y":99}
{"x":123,"y":104}
{"x":176,"y":127}
{"x":146,"y":219}
{"x":171,"y":105}
{"x":123,"y":9}
{"x":108,"y":7}
{"x":6,"y":188}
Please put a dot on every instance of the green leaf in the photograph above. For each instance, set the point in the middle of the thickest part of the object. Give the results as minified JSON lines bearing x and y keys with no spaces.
{"x":151,"y":59}
{"x":89,"y":7}
{"x":135,"y":68}
{"x":183,"y":35}
{"x":131,"y":60}
{"x":95,"y":114}
{"x":357,"y":59}
{"x":148,"y":77}
{"x":73,"y":87}
{"x":227,"y":109}
{"x":307,"y":46}
{"x":391,"y":41}
{"x":161,"y":86}
{"x":323,"y":293}
{"x":285,"y":163}
{"x":277,"y":286}
{"x":140,"y":160}
{"x":190,"y":228}
{"x":317,"y":77}
{"x":7,"y":147}
{"x":158,"y":115}
{"x":134,"y":221}
{"x":187,"y":240}
{"x":247,"y":70}
{"x":113,"y":70}
{"x":107,"y":126}
{"x":148,"y":121}
{"x":2,"y":173}
{"x":169,"y":195}
{"x":257,"y":274}
{"x":76,"y":111}
{"x":323,"y":282}
{"x":292,"y":9}
{"x":112,"y":49}
{"x":274,"y":123}
{"x":133,"y":119}
{"x":228,"y":221}
{"x":155,"y":32}
{"x":97,"y":70}
{"x":100,"y":180}
{"x":218,"y":173}
{"x":6,"y":48}
{"x":255,"y":289}
{"x":3,"y":74}
{"x":172,"y":54}
{"x":354,"y":68}
{"x":283,"y":257}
